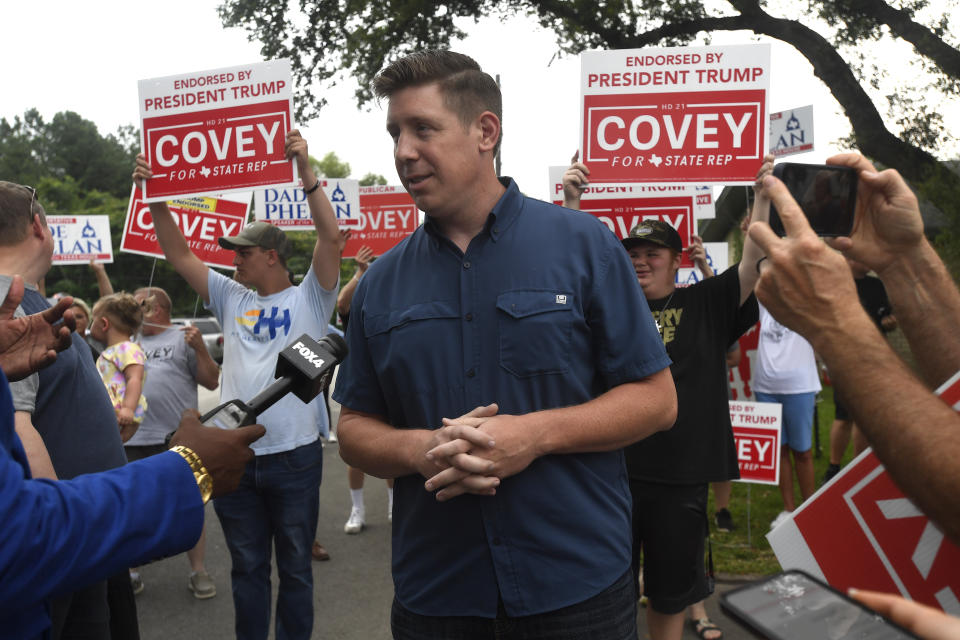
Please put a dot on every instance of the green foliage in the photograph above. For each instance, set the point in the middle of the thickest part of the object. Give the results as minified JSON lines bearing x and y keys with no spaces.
{"x":372,"y":179}
{"x":330,"y":166}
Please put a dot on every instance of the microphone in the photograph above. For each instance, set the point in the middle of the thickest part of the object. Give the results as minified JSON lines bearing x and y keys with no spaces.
{"x":303,"y":368}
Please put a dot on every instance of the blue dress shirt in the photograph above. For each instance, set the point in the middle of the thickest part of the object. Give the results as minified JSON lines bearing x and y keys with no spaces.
{"x":542,"y":311}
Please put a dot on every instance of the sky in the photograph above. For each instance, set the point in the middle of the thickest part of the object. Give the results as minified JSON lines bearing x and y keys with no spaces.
{"x":88,"y":57}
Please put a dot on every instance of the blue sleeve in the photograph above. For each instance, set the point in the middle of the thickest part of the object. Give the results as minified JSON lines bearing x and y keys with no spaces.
{"x":60,"y":536}
{"x":358,"y":387}
{"x":627,"y":344}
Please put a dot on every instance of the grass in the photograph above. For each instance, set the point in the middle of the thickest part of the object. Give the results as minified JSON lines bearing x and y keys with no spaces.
{"x":736,"y":552}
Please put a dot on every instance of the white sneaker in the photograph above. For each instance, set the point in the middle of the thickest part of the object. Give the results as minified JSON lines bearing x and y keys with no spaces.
{"x":355,"y":522}
{"x":780,"y":519}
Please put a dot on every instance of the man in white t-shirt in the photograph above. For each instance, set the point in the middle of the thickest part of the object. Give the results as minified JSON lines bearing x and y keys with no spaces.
{"x":177,"y":361}
{"x":277,"y":503}
{"x":786,"y":373}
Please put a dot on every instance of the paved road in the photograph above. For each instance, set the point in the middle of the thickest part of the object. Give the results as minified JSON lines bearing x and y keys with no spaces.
{"x":353,"y":589}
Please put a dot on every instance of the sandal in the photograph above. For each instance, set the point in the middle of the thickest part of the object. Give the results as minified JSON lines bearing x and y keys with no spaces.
{"x":703,"y":626}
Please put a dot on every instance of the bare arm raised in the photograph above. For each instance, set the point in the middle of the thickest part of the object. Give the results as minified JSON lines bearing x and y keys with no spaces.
{"x":752,"y":253}
{"x":575,"y":180}
{"x":171,"y":240}
{"x":326,"y":256}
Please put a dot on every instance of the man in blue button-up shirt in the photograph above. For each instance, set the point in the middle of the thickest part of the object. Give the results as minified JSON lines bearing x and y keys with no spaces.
{"x":517,"y":513}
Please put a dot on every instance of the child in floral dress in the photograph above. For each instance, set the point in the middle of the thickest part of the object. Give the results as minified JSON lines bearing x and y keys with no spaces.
{"x":115,"y":319}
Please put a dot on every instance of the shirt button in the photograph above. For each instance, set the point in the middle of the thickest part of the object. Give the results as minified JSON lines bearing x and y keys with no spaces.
{"x":471,"y":373}
{"x":469,"y":317}
{"x":466,"y":265}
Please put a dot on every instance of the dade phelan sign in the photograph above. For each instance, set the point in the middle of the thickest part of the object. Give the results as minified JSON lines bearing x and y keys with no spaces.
{"x":288,"y":208}
{"x":217,"y":131}
{"x":675,"y":115}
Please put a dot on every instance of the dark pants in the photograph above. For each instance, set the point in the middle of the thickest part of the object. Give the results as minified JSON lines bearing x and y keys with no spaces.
{"x":609,"y":615}
{"x":81,"y":615}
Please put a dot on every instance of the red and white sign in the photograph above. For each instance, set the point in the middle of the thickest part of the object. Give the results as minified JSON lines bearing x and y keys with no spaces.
{"x":791,"y":131}
{"x":756,"y":431}
{"x":740,"y":376}
{"x":287,"y":207}
{"x":216,"y":131}
{"x":201,"y":220}
{"x":703,"y":205}
{"x":388,"y":215}
{"x":859,"y":530}
{"x":675,"y":115}
{"x":80,"y":239}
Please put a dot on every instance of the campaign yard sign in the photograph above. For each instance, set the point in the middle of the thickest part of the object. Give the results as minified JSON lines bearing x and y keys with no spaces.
{"x":740,"y":376}
{"x":201,"y":220}
{"x":80,"y":239}
{"x":756,"y":431}
{"x":217,"y":131}
{"x":791,"y":131}
{"x":675,"y":115}
{"x":387,"y":216}
{"x":703,"y":205}
{"x":859,"y":530}
{"x":287,"y":208}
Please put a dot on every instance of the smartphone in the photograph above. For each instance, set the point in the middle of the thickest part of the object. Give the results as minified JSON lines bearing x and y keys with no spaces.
{"x":827,"y":194}
{"x":794,"y":605}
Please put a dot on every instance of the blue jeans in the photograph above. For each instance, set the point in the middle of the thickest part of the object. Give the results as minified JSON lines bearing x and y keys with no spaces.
{"x":277,"y":503}
{"x":609,"y":615}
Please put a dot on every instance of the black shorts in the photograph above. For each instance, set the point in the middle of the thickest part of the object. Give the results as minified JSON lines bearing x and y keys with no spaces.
{"x":670,"y":526}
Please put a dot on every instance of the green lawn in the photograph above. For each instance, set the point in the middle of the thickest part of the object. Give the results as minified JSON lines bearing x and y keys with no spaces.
{"x":732,"y":553}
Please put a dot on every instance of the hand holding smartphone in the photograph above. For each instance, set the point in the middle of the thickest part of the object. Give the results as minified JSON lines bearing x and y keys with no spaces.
{"x":827,"y":195}
{"x":796,"y":606}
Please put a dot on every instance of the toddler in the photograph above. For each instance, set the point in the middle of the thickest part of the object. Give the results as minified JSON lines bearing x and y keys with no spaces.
{"x":115,"y":319}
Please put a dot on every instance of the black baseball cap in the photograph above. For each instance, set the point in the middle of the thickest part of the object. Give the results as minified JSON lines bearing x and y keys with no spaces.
{"x":259,"y":234}
{"x":655,"y":231}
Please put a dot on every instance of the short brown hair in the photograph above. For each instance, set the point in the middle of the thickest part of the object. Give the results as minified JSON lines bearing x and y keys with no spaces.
{"x":467,"y":90}
{"x":16,"y":212}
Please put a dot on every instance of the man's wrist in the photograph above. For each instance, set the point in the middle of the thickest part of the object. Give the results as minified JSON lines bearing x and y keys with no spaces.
{"x":907,"y":267}
{"x":200,"y":473}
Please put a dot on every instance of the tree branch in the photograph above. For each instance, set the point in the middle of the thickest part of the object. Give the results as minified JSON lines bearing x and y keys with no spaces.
{"x":902,"y":25}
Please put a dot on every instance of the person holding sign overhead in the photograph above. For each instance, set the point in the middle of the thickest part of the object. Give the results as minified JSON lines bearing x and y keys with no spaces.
{"x":670,"y":471}
{"x":277,"y":503}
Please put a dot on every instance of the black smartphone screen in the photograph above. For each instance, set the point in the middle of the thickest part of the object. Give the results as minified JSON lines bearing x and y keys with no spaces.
{"x":796,"y":606}
{"x":827,"y":195}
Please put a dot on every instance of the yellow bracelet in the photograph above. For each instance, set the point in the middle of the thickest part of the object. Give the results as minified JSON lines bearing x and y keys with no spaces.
{"x":200,"y":473}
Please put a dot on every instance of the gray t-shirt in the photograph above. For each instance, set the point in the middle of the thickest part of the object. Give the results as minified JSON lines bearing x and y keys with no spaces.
{"x":171,"y":385}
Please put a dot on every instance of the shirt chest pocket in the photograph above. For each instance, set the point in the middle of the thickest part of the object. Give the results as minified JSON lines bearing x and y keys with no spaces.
{"x":414,"y":340}
{"x":535,"y":329}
